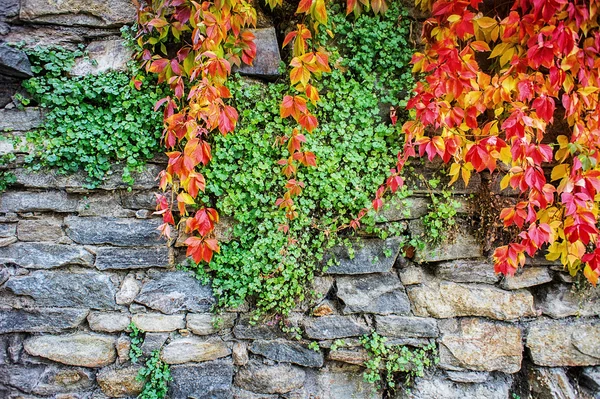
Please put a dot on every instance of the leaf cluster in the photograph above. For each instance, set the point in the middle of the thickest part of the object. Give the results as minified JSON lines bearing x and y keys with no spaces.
{"x":157,"y":375}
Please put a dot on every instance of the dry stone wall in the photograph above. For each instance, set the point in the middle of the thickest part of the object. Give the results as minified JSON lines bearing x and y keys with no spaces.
{"x":78,"y":266}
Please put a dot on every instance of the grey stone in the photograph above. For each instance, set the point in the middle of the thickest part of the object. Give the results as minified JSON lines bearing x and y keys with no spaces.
{"x":8,"y":229}
{"x":45,"y":255}
{"x":558,"y":301}
{"x":103,"y":56}
{"x":266,"y":62}
{"x":61,"y":289}
{"x":193,"y":349}
{"x":280,"y":378}
{"x":45,"y":380}
{"x":10,"y":8}
{"x":369,"y":257}
{"x":157,"y":322}
{"x":209,"y":323}
{"x":497,"y":387}
{"x":5,"y":242}
{"x":103,"y":204}
{"x":527,"y":277}
{"x":412,"y":274}
{"x":287,"y":352}
{"x":139,"y":200}
{"x":20,"y":120}
{"x":590,"y":377}
{"x":374,"y":293}
{"x":108,"y":321}
{"x":239,"y":353}
{"x":467,"y":271}
{"x":337,"y":381}
{"x":463,"y":246}
{"x":246,"y":329}
{"x":114,"y":231}
{"x":356,"y":356}
{"x":123,"y":347}
{"x":153,"y":341}
{"x":175,"y":291}
{"x":334,"y":327}
{"x":4,"y":276}
{"x":129,"y":289}
{"x":243,"y":394}
{"x":550,"y":383}
{"x":120,"y":383}
{"x":40,"y":320}
{"x":406,"y":327}
{"x":46,"y":229}
{"x":204,"y":380}
{"x":94,"y":13}
{"x":403,"y":209}
{"x":108,"y":258}
{"x":14,"y":62}
{"x":468,"y":377}
{"x":81,"y":349}
{"x":34,"y":201}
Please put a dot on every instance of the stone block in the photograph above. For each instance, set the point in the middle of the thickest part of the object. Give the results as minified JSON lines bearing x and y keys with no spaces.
{"x":406,"y":327}
{"x":40,"y":320}
{"x":113,"y":258}
{"x":279,"y":378}
{"x":14,"y":62}
{"x":45,"y":380}
{"x":103,"y":204}
{"x":334,"y":327}
{"x":369,"y":256}
{"x":20,"y":120}
{"x":374,"y":293}
{"x":80,"y":349}
{"x":551,"y":383}
{"x":559,"y":301}
{"x":468,"y":377}
{"x":266,"y":62}
{"x":412,"y":274}
{"x":114,"y":231}
{"x":397,"y":209}
{"x":45,"y":255}
{"x":103,"y":56}
{"x":46,"y":229}
{"x":339,"y":380}
{"x":157,"y":322}
{"x":287,"y":352}
{"x":245,"y":329}
{"x":356,"y":356}
{"x":108,"y":321}
{"x":438,"y":387}
{"x":239,"y":353}
{"x":120,"y":383}
{"x":92,"y":13}
{"x":463,"y":246}
{"x":467,"y":271}
{"x":153,"y":341}
{"x":128,"y":291}
{"x":8,"y":229}
{"x":194,"y":349}
{"x":203,"y":380}
{"x":527,"y":277}
{"x":38,"y":201}
{"x":209,"y":323}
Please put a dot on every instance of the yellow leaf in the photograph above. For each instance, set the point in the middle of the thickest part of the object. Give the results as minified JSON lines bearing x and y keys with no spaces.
{"x":590,"y":275}
{"x":454,"y":18}
{"x":466,"y":174}
{"x":559,"y":171}
{"x":186,"y":198}
{"x":486,"y":23}
{"x":500,"y":49}
{"x":504,"y":182}
{"x":586,"y":91}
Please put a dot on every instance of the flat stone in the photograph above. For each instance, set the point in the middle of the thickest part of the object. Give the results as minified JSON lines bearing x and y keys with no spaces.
{"x":319,"y":288}
{"x":8,"y":229}
{"x":61,"y":289}
{"x":14,"y":62}
{"x":103,"y":56}
{"x":204,"y":380}
{"x":45,"y":255}
{"x":245,"y":329}
{"x":243,"y":394}
{"x":45,"y":380}
{"x":334,"y":327}
{"x":369,"y":257}
{"x":287,"y":352}
{"x":139,"y":200}
{"x":81,"y":349}
{"x":123,"y":347}
{"x":239,"y":353}
{"x":47,"y":229}
{"x":280,"y":378}
{"x":114,"y":231}
{"x":527,"y":277}
{"x":128,"y":291}
{"x":557,"y":343}
{"x":176,"y":291}
{"x":266,"y":62}
{"x":157,"y":322}
{"x":468,"y":377}
{"x":337,"y":381}
{"x":467,"y":271}
{"x":412,"y":274}
{"x":444,"y":299}
{"x":194,"y":349}
{"x":438,"y":387}
{"x":108,"y":321}
{"x":559,"y":301}
{"x":120,"y":383}
{"x":38,"y":201}
{"x":94,"y":13}
{"x":464,"y":246}
{"x":152,"y":342}
{"x":374,"y":293}
{"x":397,"y":209}
{"x":103,"y":204}
{"x":5,"y":242}
{"x":481,"y":345}
{"x":111,"y":258}
{"x":10,"y":8}
{"x":20,"y":120}
{"x":40,"y":320}
{"x":356,"y":356}
{"x":209,"y":323}
{"x":550,"y":383}
{"x":406,"y":327}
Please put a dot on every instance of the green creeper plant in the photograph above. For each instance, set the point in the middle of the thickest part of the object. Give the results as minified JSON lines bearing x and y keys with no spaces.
{"x":157,"y":375}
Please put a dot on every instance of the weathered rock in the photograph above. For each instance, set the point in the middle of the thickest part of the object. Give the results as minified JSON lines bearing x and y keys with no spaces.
{"x":176,"y":291}
{"x":319,"y":288}
{"x":10,"y":8}
{"x":45,"y":380}
{"x":468,"y":377}
{"x":123,"y":346}
{"x":120,"y":383}
{"x":107,"y":204}
{"x":527,"y":277}
{"x":204,"y":380}
{"x":103,"y":56}
{"x":81,"y":349}
{"x":243,"y":394}
{"x":45,"y":255}
{"x":406,"y":327}
{"x":590,"y":377}
{"x":34,"y":201}
{"x":438,"y":387}
{"x":245,"y":329}
{"x":239,"y":353}
{"x":334,"y":327}
{"x":558,"y":301}
{"x":157,"y":322}
{"x":325,"y":308}
{"x":14,"y":62}
{"x":555,"y":343}
{"x":114,"y":231}
{"x":467,"y":271}
{"x":108,"y":258}
{"x":443,"y":299}
{"x":139,"y":199}
{"x":280,"y":378}
{"x":8,"y":229}
{"x":194,"y":349}
{"x":47,"y":229}
{"x":152,"y":342}
{"x":412,"y":274}
{"x":404,"y":209}
{"x":463,"y":246}
{"x":95,"y":13}
{"x":40,"y":320}
{"x":374,"y":293}
{"x":20,"y":120}
{"x":370,"y":256}
{"x":266,"y":62}
{"x":550,"y":383}
{"x":351,"y":356}
{"x":287,"y":352}
{"x":5,"y":242}
{"x":108,"y":321}
{"x":60,"y":289}
{"x":338,"y":380}
{"x":129,"y":289}
{"x":208,"y":323}
{"x":480,"y":345}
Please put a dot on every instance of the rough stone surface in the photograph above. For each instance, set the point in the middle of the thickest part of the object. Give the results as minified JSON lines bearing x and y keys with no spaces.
{"x":208,"y":323}
{"x":441,"y":388}
{"x":280,"y":378}
{"x":325,"y":308}
{"x":334,"y":327}
{"x":244,"y":329}
{"x":157,"y":322}
{"x":131,"y":258}
{"x":123,"y":346}
{"x":406,"y":327}
{"x":564,"y":343}
{"x":103,"y":56}
{"x":287,"y":352}
{"x":403,"y":209}
{"x":412,"y":275}
{"x":120,"y":383}
{"x":176,"y":291}
{"x":114,"y":231}
{"x":558,"y":301}
{"x":153,"y":341}
{"x":550,"y":383}
{"x":108,"y":321}
{"x":527,"y":277}
{"x":351,"y":356}
{"x":94,"y":13}
{"x":590,"y":377}
{"x":14,"y":62}
{"x":464,"y":246}
{"x":374,"y":293}
{"x":337,"y":381}
{"x":81,"y":349}
{"x":468,"y":377}
{"x":47,"y":229}
{"x":20,"y":120}
{"x":8,"y":229}
{"x":194,"y":349}
{"x":480,"y":345}
{"x":266,"y":62}
{"x":62,"y":289}
{"x":467,"y":271}
{"x":443,"y":299}
{"x":103,"y":204}
{"x":48,"y":201}
{"x":40,"y":320}
{"x":128,"y":291}
{"x":369,"y":257}
{"x":204,"y":380}
{"x":45,"y":255}
{"x":239,"y":353}
{"x":45,"y":380}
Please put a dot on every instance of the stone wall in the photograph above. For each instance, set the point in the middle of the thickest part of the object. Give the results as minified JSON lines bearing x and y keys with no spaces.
{"x":77,"y":266}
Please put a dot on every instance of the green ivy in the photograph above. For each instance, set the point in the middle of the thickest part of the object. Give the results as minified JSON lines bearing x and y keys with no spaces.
{"x":157,"y":375}
{"x":137,"y":339}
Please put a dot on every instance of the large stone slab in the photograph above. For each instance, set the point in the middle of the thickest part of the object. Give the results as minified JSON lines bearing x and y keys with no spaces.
{"x":158,"y":322}
{"x":559,"y":300}
{"x":40,"y":320}
{"x":108,"y":321}
{"x":14,"y":62}
{"x":120,"y":383}
{"x":527,"y":277}
{"x":557,"y":343}
{"x":45,"y":229}
{"x":81,"y":349}
{"x":397,"y":209}
{"x":176,"y":291}
{"x":374,"y":293}
{"x":209,"y":323}
{"x":463,"y":246}
{"x":266,"y":62}
{"x":444,"y":299}
{"x":406,"y":327}
{"x":94,"y":13}
{"x":20,"y":120}
{"x":279,"y":378}
{"x":247,"y":329}
{"x":114,"y":231}
{"x":287,"y":352}
{"x":467,"y":271}
{"x":45,"y":380}
{"x":476,"y":344}
{"x":438,"y":387}
{"x":337,"y":381}
{"x":112,"y":258}
{"x":103,"y":56}
{"x":45,"y":255}
{"x":193,"y":349}
{"x":334,"y":327}
{"x":38,"y":201}
{"x":203,"y":380}
{"x":366,"y":256}
{"x":61,"y":289}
